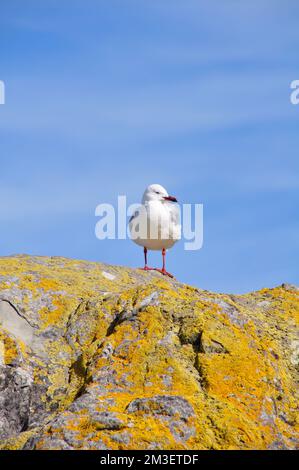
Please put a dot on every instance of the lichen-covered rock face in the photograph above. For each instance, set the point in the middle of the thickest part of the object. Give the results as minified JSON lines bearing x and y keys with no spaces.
{"x":102,"y":357}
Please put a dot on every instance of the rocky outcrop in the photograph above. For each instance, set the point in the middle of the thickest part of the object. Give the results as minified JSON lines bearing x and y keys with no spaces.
{"x":101,"y":357}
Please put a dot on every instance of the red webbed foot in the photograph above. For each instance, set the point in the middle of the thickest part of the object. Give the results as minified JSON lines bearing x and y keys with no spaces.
{"x":164,"y":272}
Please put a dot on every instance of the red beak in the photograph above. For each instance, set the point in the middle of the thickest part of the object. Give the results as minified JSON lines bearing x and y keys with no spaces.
{"x":171,"y":198}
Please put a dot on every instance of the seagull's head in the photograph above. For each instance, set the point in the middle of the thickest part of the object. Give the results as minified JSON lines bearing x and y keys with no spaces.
{"x":156,"y":192}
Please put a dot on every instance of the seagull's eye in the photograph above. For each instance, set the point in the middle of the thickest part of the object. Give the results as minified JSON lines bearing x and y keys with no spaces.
{"x":157,"y":192}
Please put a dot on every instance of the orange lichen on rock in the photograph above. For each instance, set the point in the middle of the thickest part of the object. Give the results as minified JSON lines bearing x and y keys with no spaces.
{"x":116,"y":358}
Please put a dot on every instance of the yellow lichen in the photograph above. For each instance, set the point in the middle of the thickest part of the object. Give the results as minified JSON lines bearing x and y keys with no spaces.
{"x":229,"y":357}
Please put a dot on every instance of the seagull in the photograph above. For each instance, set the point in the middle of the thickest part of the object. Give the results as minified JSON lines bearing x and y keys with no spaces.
{"x":156,"y":224}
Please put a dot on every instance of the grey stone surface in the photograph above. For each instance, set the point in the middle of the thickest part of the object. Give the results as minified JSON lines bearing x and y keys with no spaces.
{"x":15,"y":399}
{"x":168,"y":405}
{"x":12,"y":321}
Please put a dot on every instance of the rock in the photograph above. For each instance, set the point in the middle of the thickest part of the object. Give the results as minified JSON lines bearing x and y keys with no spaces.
{"x":17,"y":326}
{"x":211,"y":345}
{"x":101,"y":357}
{"x":15,"y":394}
{"x":108,"y":276}
{"x":162,"y":405}
{"x":290,"y":287}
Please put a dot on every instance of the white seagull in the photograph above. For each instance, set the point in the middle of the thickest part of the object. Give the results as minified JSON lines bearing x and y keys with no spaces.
{"x":156,"y":224}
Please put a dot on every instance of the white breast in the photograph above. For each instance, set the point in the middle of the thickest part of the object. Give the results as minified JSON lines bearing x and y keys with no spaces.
{"x":156,"y":226}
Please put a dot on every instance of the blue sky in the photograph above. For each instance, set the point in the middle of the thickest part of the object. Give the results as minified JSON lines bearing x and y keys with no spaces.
{"x":105,"y":97}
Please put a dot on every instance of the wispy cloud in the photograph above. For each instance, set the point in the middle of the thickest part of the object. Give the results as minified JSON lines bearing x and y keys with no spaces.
{"x":104,"y":98}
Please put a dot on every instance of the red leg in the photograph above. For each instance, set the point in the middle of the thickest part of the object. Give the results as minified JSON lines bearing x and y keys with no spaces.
{"x":164,"y":259}
{"x":163,"y":270}
{"x":146,"y":268}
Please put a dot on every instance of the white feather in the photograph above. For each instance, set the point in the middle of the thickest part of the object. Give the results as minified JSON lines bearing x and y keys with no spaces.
{"x":156,"y":224}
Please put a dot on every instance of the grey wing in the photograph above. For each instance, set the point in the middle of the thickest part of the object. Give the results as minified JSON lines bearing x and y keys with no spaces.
{"x":136,"y":213}
{"x":133,"y":217}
